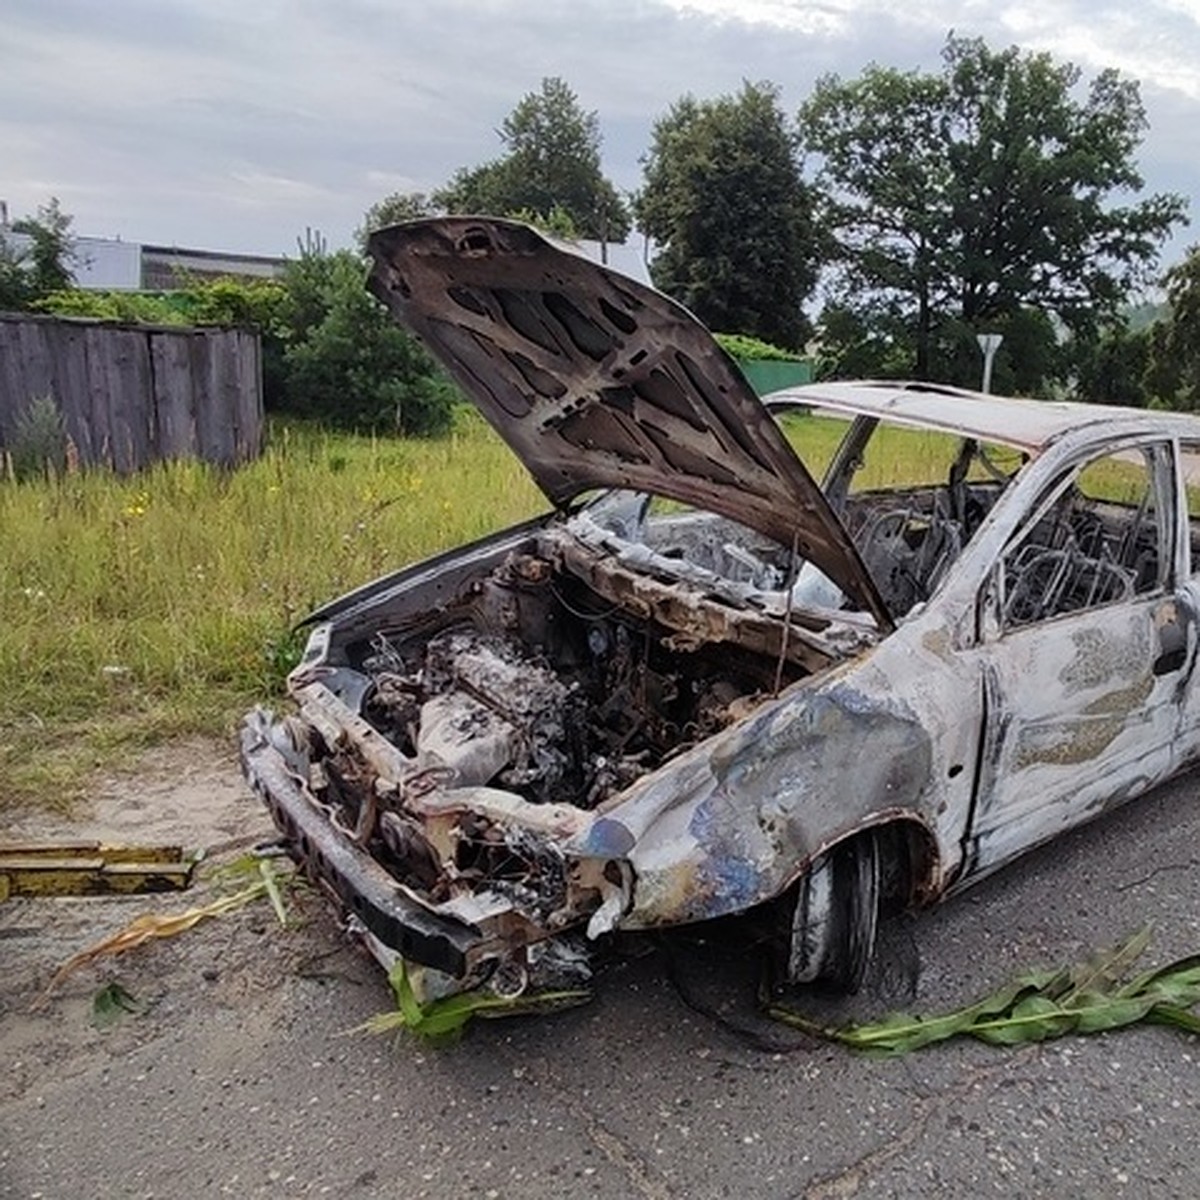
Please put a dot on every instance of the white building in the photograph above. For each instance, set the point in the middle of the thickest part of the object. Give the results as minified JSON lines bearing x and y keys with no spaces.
{"x":111,"y":265}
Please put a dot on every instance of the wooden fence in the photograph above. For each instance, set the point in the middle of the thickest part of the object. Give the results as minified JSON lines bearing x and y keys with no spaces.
{"x":130,"y":395}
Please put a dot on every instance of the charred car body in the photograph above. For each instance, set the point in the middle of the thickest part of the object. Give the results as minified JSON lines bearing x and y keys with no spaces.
{"x":705,"y":684}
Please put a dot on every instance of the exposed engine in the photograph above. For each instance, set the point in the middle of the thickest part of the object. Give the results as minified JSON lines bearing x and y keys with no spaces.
{"x":479,"y":708}
{"x":462,"y":744}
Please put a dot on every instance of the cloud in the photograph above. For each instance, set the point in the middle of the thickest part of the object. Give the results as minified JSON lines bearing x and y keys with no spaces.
{"x":236,"y":125}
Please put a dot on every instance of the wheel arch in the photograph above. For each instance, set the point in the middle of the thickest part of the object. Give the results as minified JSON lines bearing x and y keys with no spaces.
{"x":909,"y":855}
{"x":831,"y":909}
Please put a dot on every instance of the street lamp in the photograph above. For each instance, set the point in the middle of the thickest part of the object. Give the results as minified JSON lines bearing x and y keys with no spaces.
{"x":989,"y":343}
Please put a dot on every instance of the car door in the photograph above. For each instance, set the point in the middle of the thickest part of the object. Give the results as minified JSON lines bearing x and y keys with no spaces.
{"x":1084,"y":640}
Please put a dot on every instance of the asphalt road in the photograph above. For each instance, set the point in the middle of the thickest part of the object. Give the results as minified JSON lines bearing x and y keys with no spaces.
{"x":242,"y":1080}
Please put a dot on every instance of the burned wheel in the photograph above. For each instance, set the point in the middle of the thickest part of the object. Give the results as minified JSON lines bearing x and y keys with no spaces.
{"x":834,"y":912}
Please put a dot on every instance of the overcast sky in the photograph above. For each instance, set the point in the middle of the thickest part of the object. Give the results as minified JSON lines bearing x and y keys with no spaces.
{"x":236,"y":124}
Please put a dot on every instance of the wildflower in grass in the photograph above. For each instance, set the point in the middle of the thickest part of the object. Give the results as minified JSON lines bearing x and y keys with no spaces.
{"x":138,"y":505}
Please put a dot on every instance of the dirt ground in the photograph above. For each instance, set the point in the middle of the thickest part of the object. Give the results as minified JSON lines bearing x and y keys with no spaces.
{"x":190,"y":794}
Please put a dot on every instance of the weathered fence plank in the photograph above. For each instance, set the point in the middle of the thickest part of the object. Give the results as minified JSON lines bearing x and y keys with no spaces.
{"x":130,"y":394}
{"x":172,"y":363}
{"x":67,"y":343}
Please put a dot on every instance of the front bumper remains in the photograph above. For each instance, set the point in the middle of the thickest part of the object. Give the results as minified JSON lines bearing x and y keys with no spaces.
{"x":399,"y":922}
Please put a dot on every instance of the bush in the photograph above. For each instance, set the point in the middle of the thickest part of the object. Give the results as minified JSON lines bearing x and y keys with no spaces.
{"x":346,"y":363}
{"x":741,"y":346}
{"x":330,"y":350}
{"x":134,"y":308}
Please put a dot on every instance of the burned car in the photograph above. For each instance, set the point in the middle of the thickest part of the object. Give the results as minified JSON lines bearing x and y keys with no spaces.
{"x":704,"y":684}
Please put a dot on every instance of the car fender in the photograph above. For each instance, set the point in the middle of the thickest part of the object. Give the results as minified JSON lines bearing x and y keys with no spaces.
{"x":735,"y":821}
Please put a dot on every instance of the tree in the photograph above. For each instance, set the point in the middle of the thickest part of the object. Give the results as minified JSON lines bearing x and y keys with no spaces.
{"x":1111,"y":369}
{"x":552,"y":162}
{"x":30,"y":272}
{"x":391,"y":210}
{"x":980,"y":196}
{"x":1173,"y":373}
{"x":345,"y":361}
{"x":733,"y":219}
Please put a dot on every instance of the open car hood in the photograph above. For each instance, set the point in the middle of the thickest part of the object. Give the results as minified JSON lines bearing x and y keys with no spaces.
{"x":596,"y":380}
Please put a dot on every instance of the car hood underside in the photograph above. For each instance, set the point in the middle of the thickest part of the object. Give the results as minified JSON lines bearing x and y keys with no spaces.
{"x":598,"y":381}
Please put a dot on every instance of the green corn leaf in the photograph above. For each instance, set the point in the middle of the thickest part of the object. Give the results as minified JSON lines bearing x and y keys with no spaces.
{"x":1177,"y":983}
{"x":406,"y":999}
{"x":1089,"y":998}
{"x":1035,"y":1019}
{"x":111,"y":1003}
{"x":1181,"y":1018}
{"x":271,"y":884}
{"x":1109,"y":967}
{"x":1096,"y":1014}
{"x":444,"y":1018}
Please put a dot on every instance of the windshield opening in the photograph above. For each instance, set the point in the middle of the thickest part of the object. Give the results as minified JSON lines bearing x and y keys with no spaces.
{"x":910,"y":500}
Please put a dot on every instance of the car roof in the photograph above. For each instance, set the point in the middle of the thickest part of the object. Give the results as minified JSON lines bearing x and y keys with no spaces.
{"x":1029,"y":425}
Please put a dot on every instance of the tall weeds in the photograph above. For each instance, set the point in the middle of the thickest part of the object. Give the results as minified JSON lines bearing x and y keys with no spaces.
{"x":138,"y":608}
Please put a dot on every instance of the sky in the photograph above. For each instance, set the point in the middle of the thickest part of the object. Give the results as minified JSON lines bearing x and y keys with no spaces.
{"x":240,"y":124}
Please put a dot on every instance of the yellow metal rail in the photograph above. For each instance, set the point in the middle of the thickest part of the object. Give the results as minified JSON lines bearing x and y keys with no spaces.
{"x":90,"y":869}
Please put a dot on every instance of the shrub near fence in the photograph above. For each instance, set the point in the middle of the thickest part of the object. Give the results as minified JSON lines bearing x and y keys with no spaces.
{"x":130,"y":395}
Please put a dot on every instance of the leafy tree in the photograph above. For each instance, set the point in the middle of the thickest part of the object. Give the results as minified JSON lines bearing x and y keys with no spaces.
{"x":853,"y":345}
{"x":391,"y":210}
{"x":345,"y":361}
{"x":16,"y":285}
{"x":725,"y":201}
{"x":1173,"y":372}
{"x":44,"y":266}
{"x":487,"y":189}
{"x":1111,"y":369}
{"x":977,"y":197}
{"x":557,"y":222}
{"x":552,"y":161}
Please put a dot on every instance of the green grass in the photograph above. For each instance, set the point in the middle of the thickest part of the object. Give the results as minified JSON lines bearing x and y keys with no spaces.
{"x":895,"y":457}
{"x":138,"y":609}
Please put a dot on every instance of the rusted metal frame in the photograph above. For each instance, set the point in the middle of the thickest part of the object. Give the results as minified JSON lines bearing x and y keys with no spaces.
{"x":453,"y":281}
{"x":399,"y":920}
{"x":846,"y":461}
{"x":450,"y":574}
{"x":454,"y":935}
{"x":680,"y":607}
{"x":343,"y":727}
